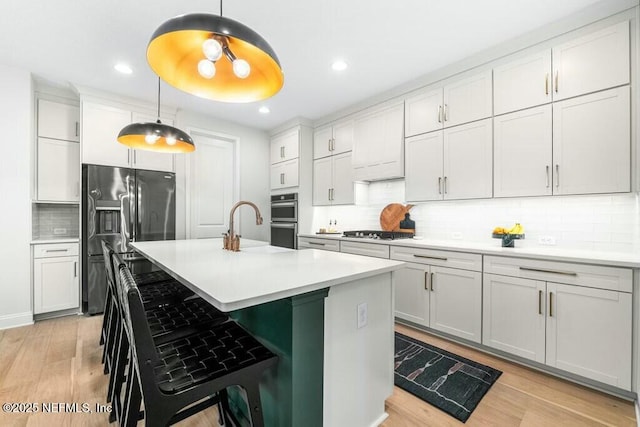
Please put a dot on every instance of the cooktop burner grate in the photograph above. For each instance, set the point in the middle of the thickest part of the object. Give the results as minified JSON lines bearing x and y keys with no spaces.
{"x":378,"y":234}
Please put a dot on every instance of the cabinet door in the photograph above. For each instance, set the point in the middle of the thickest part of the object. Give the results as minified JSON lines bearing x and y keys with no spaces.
{"x":423,"y":113}
{"x":55,"y":284}
{"x":468,"y":160}
{"x":152,"y":160}
{"x":468,"y":99}
{"x":322,"y":180}
{"x":456,"y":302}
{"x":592,"y":143}
{"x":285,"y":147}
{"x":522,"y":153}
{"x":589,"y":333}
{"x":342,"y":137}
{"x":423,"y":167}
{"x":100,"y":128}
{"x":284,"y":174}
{"x":368,"y":135}
{"x":58,"y":170}
{"x":58,"y":121}
{"x":522,"y":83}
{"x":411,"y":287}
{"x":342,"y":179}
{"x":596,"y":61}
{"x":322,"y":139}
{"x":514,"y":316}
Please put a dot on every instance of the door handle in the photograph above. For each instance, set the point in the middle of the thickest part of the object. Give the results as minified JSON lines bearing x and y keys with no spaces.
{"x":547,"y":176}
{"x":333,"y":144}
{"x":439,"y":185}
{"x":135,"y":157}
{"x":546,"y":84}
{"x":557,"y":175}
{"x":328,"y":194}
{"x":128,"y":156}
{"x":431,"y":282}
{"x":539,"y":302}
{"x":556,"y":81}
{"x":282,"y":178}
{"x":75,"y":269}
{"x":446,"y":112}
{"x":550,"y":304}
{"x":426,"y":280}
{"x":439,"y":113}
{"x":329,"y":144}
{"x":445,"y":185}
{"x":77,"y":128}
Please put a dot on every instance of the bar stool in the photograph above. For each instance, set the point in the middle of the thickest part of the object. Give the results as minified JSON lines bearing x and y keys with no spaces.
{"x":172,"y":376}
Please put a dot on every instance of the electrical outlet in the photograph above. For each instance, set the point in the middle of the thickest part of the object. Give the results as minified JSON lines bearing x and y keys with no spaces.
{"x":547,"y":240}
{"x":456,"y":235}
{"x":57,"y":231}
{"x":362,"y":315}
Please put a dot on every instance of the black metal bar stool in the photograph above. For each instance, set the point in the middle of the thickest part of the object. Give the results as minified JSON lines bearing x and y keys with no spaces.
{"x":173,"y":376}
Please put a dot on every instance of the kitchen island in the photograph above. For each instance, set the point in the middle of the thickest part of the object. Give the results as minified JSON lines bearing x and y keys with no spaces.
{"x":328,"y":316}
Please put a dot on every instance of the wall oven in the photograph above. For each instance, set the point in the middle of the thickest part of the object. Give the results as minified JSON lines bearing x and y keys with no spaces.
{"x":284,"y":220}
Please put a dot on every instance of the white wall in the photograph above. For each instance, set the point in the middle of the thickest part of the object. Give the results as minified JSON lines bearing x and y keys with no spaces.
{"x":254,"y":173}
{"x":16,"y":121}
{"x":609,"y":222}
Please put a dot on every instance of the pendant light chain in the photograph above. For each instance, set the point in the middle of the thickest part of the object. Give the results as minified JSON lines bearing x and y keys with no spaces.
{"x":221,"y":8}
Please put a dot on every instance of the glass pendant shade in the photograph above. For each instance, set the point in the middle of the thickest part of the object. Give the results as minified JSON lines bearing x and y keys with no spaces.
{"x":176,"y":49}
{"x":156,"y":136}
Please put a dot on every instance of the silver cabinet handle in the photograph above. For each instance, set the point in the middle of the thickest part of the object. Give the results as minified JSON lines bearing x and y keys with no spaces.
{"x":75,"y":269}
{"x":426,"y":280}
{"x":550,"y":304}
{"x":439,"y":113}
{"x":445,"y":185}
{"x":539,"y":302}
{"x":431,"y":282}
{"x":128,"y":156}
{"x":56,"y":250}
{"x":556,"y":81}
{"x":135,"y":157}
{"x":328,"y":194}
{"x":547,"y":176}
{"x":77,"y":128}
{"x":557,"y":175}
{"x":439,"y":185}
{"x":446,"y":112}
{"x":546,"y":84}
{"x":316,"y":243}
{"x":332,"y":191}
{"x":282,"y":178}
{"x":333,"y":144}
{"x":540,"y":270}
{"x":329,"y":144}
{"x":430,"y":257}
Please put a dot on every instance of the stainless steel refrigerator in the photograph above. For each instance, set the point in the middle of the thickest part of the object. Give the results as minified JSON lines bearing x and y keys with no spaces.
{"x":121,"y":205}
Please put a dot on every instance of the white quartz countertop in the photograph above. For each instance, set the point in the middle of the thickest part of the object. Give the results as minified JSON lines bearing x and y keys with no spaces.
{"x":259,"y":273}
{"x":614,"y":259}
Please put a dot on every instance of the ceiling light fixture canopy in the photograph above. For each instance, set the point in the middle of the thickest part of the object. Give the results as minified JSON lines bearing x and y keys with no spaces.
{"x":156,"y":136}
{"x":215,"y":57}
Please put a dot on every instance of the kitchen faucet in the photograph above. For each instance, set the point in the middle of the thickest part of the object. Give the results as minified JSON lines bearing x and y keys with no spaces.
{"x":231,"y":242}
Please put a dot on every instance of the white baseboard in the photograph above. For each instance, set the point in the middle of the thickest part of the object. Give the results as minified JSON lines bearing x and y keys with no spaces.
{"x":18,"y":319}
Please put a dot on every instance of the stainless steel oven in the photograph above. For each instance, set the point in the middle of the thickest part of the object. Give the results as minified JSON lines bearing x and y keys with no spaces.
{"x":284,"y":220}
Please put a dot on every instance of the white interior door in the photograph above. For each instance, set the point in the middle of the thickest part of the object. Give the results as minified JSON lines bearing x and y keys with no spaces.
{"x":212,"y":186}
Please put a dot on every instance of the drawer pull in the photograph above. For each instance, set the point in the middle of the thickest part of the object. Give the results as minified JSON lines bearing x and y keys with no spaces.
{"x":426,"y":281}
{"x":56,"y":250}
{"x":316,"y":243}
{"x":538,"y":270}
{"x":430,"y":257}
{"x":431,"y":282}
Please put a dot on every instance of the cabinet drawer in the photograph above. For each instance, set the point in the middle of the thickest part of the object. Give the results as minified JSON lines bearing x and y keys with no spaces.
{"x":612,"y":278}
{"x":460,"y":260}
{"x":366,"y":249}
{"x":324,"y":244}
{"x":55,"y":250}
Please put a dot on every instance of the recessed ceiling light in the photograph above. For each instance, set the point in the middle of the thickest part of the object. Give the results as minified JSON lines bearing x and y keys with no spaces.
{"x":123,"y":68}
{"x":339,"y":65}
{"x":264,"y":110}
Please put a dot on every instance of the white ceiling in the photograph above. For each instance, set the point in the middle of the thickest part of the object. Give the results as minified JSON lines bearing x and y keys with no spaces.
{"x":385,"y":44}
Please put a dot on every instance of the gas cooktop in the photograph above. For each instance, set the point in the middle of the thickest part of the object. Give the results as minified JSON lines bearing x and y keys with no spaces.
{"x":378,"y":234}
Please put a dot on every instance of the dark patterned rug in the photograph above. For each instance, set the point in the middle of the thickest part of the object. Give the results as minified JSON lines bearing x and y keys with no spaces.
{"x":447,"y":381}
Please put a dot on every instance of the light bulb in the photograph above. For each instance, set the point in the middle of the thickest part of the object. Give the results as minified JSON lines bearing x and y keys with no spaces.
{"x":212,"y":49}
{"x":206,"y":68}
{"x":151,"y":138}
{"x":241,"y":68}
{"x":171,"y":140}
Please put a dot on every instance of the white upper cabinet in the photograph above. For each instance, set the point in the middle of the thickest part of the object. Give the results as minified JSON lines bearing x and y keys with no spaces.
{"x":58,"y":171}
{"x":152,"y":160}
{"x":597,"y":61}
{"x":100,"y":127}
{"x":468,"y":162}
{"x":58,"y":121}
{"x":458,"y":102}
{"x":522,"y":164}
{"x":285,"y":174}
{"x":423,"y":167}
{"x":334,"y":139}
{"x":285,"y":146}
{"x":592,"y":143}
{"x":378,"y":145}
{"x":522,"y":83}
{"x":333,"y":180}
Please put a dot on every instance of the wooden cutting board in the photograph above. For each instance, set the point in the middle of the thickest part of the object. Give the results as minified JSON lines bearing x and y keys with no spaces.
{"x":391,"y":216}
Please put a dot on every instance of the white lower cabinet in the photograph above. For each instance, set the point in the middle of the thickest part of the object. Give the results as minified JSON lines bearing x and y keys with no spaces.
{"x":578,"y":329}
{"x":56,"y":285}
{"x":442,"y":298}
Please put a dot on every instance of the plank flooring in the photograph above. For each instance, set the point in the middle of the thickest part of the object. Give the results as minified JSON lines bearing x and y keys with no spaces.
{"x":59,"y":361}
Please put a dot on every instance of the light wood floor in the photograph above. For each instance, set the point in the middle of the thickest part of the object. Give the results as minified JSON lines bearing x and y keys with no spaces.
{"x":59,"y":361}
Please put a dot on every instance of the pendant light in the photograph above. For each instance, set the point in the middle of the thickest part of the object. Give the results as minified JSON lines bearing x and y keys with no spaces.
{"x":214,"y":57}
{"x":156,"y":136}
